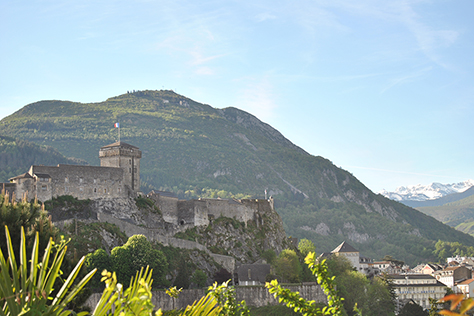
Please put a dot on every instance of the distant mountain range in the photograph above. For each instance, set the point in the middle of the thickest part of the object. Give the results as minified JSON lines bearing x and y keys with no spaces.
{"x":420,"y":193}
{"x":193,"y":149}
{"x":452,"y":204}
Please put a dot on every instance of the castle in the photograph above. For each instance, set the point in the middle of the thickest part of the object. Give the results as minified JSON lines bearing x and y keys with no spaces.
{"x":117,"y":177}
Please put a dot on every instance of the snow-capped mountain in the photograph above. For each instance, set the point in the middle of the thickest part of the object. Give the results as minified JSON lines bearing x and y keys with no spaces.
{"x":426,"y":192}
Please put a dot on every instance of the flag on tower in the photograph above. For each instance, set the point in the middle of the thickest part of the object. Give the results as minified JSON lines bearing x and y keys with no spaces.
{"x":117,"y":125}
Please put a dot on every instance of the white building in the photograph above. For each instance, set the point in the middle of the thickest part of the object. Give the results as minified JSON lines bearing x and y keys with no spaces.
{"x":418,"y":287}
{"x":344,"y":249}
{"x":466,"y":287}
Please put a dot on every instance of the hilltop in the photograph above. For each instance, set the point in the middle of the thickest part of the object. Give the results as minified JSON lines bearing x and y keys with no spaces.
{"x":193,"y":149}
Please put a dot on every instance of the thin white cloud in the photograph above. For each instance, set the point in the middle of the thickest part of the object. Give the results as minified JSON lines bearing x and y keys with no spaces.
{"x":264,"y":17}
{"x":406,"y":78}
{"x":258,"y":98}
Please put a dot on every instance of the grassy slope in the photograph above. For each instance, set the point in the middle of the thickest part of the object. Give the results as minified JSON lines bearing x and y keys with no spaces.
{"x":459,"y":214}
{"x":189,"y":145}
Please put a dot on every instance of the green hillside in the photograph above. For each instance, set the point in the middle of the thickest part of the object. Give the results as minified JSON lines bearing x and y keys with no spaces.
{"x":16,"y":157}
{"x":191,"y":148}
{"x":459,"y":214}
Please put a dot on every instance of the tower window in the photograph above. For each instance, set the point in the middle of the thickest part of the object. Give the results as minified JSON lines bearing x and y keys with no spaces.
{"x":130,"y":170}
{"x":130,"y":161}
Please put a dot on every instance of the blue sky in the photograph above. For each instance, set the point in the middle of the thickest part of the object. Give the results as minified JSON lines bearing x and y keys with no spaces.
{"x":382,"y":88}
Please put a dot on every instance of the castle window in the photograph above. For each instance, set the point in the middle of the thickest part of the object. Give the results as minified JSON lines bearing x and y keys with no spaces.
{"x":95,"y":190}
{"x":130,"y":161}
{"x":105,"y":190}
{"x":95,"y":180}
{"x":66,"y":180}
{"x":44,"y":187}
{"x":135,"y":170}
{"x":130,"y":170}
{"x":80,"y":180}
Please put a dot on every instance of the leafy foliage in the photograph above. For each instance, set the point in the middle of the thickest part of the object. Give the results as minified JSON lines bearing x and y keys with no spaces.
{"x":307,"y":308}
{"x":225,"y":296}
{"x":373,"y":297}
{"x":29,"y":215}
{"x":137,"y":253}
{"x":26,"y":287}
{"x":288,"y":267}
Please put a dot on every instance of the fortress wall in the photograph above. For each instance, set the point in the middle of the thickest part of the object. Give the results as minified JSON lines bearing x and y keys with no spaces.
{"x":185,"y":212}
{"x":227,"y":262}
{"x":255,"y":296}
{"x":231,"y":209}
{"x":201,"y":214}
{"x":168,"y":206}
{"x":83,"y":182}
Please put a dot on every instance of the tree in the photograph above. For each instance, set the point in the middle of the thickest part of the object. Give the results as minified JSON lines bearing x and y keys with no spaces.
{"x":138,"y":253}
{"x":372,"y":298}
{"x":199,"y":278}
{"x":288,"y":266}
{"x":99,"y":260}
{"x":412,"y":309}
{"x":306,"y":246}
{"x":30,"y":215}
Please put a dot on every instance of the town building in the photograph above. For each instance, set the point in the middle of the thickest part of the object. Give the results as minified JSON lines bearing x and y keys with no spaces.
{"x":466,"y":287}
{"x":253,"y":274}
{"x":451,"y":276}
{"x":346,"y":250}
{"x":417,"y":287}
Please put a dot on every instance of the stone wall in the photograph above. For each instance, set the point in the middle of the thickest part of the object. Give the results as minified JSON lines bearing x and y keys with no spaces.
{"x":256,"y":296}
{"x":83,"y":182}
{"x":168,"y":206}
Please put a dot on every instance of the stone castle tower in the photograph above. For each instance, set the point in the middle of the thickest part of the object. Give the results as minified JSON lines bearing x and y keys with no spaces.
{"x":124,"y":156}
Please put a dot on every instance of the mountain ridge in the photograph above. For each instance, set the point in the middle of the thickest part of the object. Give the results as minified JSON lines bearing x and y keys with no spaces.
{"x":188,"y":147}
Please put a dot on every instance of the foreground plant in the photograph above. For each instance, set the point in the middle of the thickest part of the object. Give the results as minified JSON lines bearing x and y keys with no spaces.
{"x":308,"y":308}
{"x":459,"y":305}
{"x":135,"y":300}
{"x":27,"y":289}
{"x":225,"y":296}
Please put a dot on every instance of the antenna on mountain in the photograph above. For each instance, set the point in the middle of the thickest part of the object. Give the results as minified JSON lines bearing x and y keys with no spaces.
{"x":117,"y":125}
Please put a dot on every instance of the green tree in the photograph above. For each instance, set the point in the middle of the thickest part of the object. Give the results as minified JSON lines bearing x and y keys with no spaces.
{"x":372,"y":297}
{"x":138,"y":253}
{"x":306,"y":246}
{"x":99,"y":260}
{"x":412,"y":309}
{"x":30,"y":215}
{"x":287,"y":266}
{"x":199,"y":278}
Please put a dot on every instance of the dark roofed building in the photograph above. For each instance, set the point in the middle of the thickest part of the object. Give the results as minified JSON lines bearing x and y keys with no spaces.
{"x":253,"y":274}
{"x":344,"y":249}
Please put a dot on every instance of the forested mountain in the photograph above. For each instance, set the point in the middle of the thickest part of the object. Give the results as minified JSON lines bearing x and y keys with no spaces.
{"x":194,"y":149}
{"x":16,"y":157}
{"x":458,"y":214}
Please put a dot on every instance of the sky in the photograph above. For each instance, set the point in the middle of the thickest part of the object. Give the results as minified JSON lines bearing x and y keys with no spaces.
{"x":382,"y":88}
